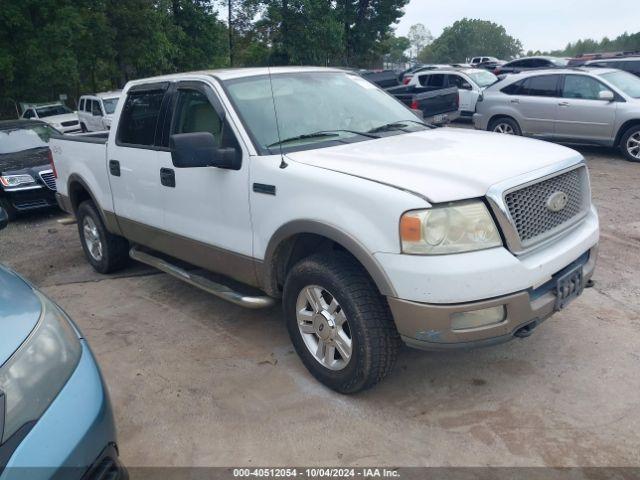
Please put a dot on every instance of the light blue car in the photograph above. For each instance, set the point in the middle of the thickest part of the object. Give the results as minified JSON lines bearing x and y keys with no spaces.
{"x":55,"y":414}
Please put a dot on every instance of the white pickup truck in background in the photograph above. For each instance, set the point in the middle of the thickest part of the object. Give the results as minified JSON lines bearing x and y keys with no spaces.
{"x":315,"y":186}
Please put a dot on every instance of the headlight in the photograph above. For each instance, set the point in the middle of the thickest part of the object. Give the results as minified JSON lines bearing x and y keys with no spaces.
{"x":34,"y":375}
{"x":454,"y":228}
{"x":16,"y":180}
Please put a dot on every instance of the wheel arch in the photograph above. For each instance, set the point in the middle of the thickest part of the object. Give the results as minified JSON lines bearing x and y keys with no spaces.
{"x":298,"y":239}
{"x":623,"y":129}
{"x":79,"y":191}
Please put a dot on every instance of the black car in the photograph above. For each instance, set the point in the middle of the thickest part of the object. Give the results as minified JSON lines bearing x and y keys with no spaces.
{"x":630,"y":64}
{"x":27,"y":179}
{"x":530,"y":63}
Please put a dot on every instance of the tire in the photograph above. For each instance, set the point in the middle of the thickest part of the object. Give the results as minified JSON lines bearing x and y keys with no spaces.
{"x":113,"y":252}
{"x":10,"y":209}
{"x":505,"y":125}
{"x":83,"y":127}
{"x":630,"y":144}
{"x":374,"y":340}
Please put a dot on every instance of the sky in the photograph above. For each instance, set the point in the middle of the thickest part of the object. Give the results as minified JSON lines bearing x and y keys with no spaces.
{"x":540,"y":25}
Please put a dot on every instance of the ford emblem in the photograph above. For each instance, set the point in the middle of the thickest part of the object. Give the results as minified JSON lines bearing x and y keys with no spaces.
{"x":557,"y":201}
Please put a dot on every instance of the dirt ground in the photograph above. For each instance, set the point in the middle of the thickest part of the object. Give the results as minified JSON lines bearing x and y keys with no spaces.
{"x":196,"y":381}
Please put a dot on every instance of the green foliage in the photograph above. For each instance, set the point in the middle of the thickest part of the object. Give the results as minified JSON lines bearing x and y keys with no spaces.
{"x":470,"y":37}
{"x":397,"y":48}
{"x":623,"y":43}
{"x":53,"y":47}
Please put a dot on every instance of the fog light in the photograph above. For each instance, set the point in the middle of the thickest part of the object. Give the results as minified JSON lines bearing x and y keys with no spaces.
{"x":478,"y":318}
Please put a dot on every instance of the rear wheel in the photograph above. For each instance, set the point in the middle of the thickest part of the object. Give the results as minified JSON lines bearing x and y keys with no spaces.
{"x":505,"y":125}
{"x":340,"y":325}
{"x":630,"y":144}
{"x":105,"y":252}
{"x":10,"y":209}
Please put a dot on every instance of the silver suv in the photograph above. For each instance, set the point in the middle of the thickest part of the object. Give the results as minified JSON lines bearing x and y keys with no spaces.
{"x":597,"y":106}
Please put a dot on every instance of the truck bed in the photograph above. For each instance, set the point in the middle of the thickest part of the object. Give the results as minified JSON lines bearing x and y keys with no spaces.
{"x":432,"y":103}
{"x":84,"y":157}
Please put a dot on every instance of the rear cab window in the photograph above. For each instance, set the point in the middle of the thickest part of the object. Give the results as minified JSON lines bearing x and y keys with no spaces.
{"x":139,"y":119}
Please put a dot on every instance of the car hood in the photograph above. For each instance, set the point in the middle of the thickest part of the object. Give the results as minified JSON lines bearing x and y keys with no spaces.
{"x":20,"y":310}
{"x":441,"y":165}
{"x":34,"y":157}
{"x":65,"y":117}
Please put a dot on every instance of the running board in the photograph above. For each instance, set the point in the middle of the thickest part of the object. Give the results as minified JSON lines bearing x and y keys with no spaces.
{"x":198,"y":281}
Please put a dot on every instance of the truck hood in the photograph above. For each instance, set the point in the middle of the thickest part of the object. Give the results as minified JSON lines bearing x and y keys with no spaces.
{"x":441,"y":165}
{"x":65,"y":117}
{"x":19,"y":312}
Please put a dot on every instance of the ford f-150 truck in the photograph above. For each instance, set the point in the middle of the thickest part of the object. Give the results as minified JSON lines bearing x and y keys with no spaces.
{"x":316,"y":187}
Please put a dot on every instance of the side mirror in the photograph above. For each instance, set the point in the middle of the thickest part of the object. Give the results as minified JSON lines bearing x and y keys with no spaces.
{"x":4,"y":218}
{"x":199,"y":149}
{"x":606,"y":95}
{"x":466,"y":86}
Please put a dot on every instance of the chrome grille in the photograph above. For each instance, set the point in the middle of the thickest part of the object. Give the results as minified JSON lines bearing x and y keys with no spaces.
{"x":533,"y":219}
{"x":48,"y":179}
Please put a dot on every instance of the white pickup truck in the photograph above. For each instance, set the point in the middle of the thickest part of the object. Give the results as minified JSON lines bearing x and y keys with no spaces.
{"x":314,"y":186}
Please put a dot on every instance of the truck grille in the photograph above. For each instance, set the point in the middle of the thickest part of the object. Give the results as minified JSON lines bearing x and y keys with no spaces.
{"x":70,"y":123}
{"x":48,"y":179}
{"x":529,"y":209}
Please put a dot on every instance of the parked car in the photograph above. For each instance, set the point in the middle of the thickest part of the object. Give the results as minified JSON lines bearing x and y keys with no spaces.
{"x":57,"y":115}
{"x":490,"y":66}
{"x":469,"y":82}
{"x":96,"y":111}
{"x":437,"y":106}
{"x":628,"y":64}
{"x":530,"y":63}
{"x":406,"y":78}
{"x":26,"y":177}
{"x":317,"y":187}
{"x":56,"y":419}
{"x":581,"y":60}
{"x":475,"y":61}
{"x":585,"y":105}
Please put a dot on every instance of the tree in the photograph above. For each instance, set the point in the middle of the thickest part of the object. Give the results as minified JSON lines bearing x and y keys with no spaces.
{"x":467,"y":38}
{"x":396,"y":49}
{"x":419,"y":37}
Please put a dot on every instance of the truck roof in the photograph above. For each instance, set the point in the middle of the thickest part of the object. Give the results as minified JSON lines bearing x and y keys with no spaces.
{"x":232,"y":73}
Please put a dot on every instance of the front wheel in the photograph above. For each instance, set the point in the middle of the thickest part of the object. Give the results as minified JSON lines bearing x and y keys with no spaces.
{"x":340,"y":325}
{"x":630,"y":144}
{"x":11,"y":211}
{"x":505,"y":125}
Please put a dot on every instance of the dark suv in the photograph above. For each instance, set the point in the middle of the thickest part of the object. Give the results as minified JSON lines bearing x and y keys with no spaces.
{"x":629,"y":64}
{"x":530,"y":63}
{"x":27,"y":180}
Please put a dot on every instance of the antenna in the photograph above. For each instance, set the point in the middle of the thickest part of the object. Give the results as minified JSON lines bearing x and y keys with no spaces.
{"x":283,"y":164}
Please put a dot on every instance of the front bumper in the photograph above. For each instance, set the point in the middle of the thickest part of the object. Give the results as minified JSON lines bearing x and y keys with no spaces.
{"x":73,"y":434}
{"x":429,"y":326}
{"x":30,"y":199}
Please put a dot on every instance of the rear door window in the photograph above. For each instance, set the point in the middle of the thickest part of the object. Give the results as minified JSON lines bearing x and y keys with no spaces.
{"x":436,"y":81}
{"x":541,"y":86}
{"x":139,"y":118}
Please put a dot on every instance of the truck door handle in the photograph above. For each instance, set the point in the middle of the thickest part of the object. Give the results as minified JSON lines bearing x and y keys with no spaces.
{"x":168,"y":177}
{"x":114,"y":168}
{"x":515,"y":100}
{"x":563,"y":104}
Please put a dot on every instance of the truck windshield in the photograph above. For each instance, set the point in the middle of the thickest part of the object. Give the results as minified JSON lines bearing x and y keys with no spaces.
{"x":625,"y":81}
{"x":483,"y":78}
{"x":343,"y":106}
{"x":110,"y":105}
{"x":52,"y":110}
{"x":19,"y":139}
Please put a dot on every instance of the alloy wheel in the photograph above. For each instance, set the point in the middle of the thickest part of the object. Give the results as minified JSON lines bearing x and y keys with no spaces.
{"x":324,"y":327}
{"x":92,"y":238}
{"x":504,"y":128}
{"x":633,"y":145}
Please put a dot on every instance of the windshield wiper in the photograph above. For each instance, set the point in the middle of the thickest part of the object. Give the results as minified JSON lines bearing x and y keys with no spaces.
{"x":321,"y":134}
{"x":396,"y":126}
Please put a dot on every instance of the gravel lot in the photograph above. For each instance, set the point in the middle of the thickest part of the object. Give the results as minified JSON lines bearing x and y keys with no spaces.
{"x":196,"y":381}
